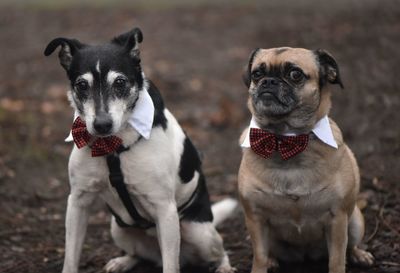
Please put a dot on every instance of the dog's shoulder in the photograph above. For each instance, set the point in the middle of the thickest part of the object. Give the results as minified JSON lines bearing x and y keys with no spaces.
{"x":181,"y":153}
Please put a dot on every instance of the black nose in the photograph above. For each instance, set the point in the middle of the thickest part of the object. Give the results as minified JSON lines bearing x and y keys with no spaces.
{"x":102,"y":124}
{"x":269,"y":82}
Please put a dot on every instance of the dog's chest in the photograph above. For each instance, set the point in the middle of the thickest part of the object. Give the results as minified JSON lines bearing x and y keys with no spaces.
{"x":296,"y":198}
{"x":141,"y":177}
{"x":292,"y":209}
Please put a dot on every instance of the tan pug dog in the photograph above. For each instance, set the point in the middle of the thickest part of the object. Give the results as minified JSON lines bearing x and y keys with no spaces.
{"x":299,"y":197}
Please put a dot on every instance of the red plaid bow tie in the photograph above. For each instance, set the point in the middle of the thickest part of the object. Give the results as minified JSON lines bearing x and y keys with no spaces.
{"x":264,"y":144}
{"x":101,"y":146}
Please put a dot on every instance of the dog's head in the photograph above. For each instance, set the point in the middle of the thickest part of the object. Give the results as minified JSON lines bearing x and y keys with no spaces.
{"x":288,"y":87}
{"x":105,"y":79}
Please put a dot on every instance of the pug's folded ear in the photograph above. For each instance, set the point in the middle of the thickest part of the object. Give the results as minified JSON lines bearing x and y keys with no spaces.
{"x":69,"y":47}
{"x":130,"y":41}
{"x":329,"y":69}
{"x":247,"y":69}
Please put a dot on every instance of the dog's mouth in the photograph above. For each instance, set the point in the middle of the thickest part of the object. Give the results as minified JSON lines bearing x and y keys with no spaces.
{"x":274,"y":103}
{"x":269,"y":96}
{"x":102,"y":135}
{"x":96,"y":134}
{"x":276,"y":98}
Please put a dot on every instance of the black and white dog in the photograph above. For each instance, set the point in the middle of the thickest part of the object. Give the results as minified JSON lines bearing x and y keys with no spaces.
{"x":157,"y":192}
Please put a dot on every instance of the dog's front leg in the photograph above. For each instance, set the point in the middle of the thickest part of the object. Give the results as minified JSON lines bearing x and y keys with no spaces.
{"x":337,"y":242}
{"x":258,"y":235}
{"x":75,"y":227}
{"x":169,"y":237}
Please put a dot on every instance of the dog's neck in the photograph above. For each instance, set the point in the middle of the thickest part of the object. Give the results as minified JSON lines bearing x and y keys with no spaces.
{"x":289,"y":126}
{"x":284,"y":127}
{"x":128,"y":135}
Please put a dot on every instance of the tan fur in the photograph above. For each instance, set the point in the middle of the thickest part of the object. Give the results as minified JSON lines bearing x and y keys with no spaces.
{"x":307,"y":61}
{"x":306,"y":205}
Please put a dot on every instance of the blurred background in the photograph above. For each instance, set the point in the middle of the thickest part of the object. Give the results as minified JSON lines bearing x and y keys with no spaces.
{"x":194,"y":51}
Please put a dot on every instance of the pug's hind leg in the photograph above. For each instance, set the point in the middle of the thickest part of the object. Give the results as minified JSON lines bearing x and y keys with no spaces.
{"x":356,"y":232}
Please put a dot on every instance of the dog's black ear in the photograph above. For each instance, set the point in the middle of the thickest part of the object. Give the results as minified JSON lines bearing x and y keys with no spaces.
{"x":68,"y":48}
{"x":329,"y":69}
{"x":130,"y":40}
{"x":247,"y":69}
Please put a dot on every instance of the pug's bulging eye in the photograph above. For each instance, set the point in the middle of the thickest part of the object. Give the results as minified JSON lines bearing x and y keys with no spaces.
{"x":82,"y":86}
{"x":296,"y":75}
{"x":120,"y":83}
{"x":256,"y":75}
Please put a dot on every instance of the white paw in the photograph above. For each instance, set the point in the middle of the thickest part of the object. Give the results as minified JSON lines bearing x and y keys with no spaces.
{"x":361,"y":257}
{"x":226,"y":269}
{"x":120,"y":264}
{"x":272,"y":263}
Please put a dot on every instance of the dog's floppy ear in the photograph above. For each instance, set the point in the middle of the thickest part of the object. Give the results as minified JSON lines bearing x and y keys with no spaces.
{"x":329,"y":69}
{"x":130,"y":41}
{"x":68,"y":48}
{"x":247,"y":69}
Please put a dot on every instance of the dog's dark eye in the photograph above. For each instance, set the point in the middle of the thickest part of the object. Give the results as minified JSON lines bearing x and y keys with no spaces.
{"x":256,"y":75}
{"x":120,"y":83}
{"x":296,"y":75}
{"x":82,"y":86}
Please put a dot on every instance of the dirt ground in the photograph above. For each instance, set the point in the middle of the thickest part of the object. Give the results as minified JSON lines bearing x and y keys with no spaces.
{"x":195,"y":55}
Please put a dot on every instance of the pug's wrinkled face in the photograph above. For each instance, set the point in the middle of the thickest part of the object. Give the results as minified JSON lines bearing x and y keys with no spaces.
{"x":285,"y":85}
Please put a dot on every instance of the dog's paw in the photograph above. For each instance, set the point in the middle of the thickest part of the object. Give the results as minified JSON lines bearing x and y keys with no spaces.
{"x":272,"y":264}
{"x":361,"y":257}
{"x":120,"y":264}
{"x":226,"y":269}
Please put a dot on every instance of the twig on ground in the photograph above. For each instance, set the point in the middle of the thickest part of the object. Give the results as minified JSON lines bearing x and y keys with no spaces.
{"x":383,"y":220}
{"x":370,"y":237}
{"x":389,"y":263}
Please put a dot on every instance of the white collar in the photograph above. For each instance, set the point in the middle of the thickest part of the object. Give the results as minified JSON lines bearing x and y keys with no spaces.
{"x":322,"y":130}
{"x":141,"y":118}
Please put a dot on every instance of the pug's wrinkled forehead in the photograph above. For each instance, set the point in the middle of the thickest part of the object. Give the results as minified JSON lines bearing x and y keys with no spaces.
{"x":315,"y":64}
{"x":278,"y":58}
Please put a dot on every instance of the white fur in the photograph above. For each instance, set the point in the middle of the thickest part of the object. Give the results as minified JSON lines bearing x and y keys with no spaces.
{"x":89,"y":115}
{"x":223,"y":209}
{"x":112,"y":75}
{"x":98,"y":66}
{"x":151,"y":173}
{"x":88,"y":77}
{"x":89,"y":112}
{"x":201,"y":244}
{"x":117,"y":108}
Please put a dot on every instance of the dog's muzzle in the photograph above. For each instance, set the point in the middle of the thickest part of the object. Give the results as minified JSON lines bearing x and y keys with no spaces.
{"x":274,"y":97}
{"x":103,"y":124}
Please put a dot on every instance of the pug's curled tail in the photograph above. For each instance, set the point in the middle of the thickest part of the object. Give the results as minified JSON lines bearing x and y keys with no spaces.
{"x":223,"y":209}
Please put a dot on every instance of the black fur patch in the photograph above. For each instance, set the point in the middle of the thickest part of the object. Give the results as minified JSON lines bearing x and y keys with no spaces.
{"x":159,"y":117}
{"x":190,"y":161}
{"x":110,"y":57}
{"x":247,"y":74}
{"x":200,"y":209}
{"x":132,"y":105}
{"x":327,"y":65}
{"x":69,"y":47}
